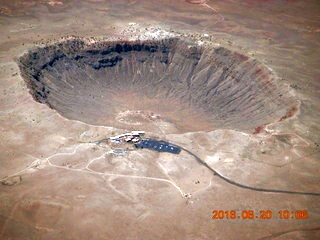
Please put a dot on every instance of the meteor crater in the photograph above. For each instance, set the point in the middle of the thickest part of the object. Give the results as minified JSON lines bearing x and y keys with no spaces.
{"x":173,"y":84}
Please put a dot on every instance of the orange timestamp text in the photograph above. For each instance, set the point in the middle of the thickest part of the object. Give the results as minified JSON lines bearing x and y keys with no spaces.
{"x":263,"y":214}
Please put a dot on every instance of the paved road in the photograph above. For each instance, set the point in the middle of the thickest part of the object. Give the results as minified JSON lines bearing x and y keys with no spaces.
{"x":202,"y":162}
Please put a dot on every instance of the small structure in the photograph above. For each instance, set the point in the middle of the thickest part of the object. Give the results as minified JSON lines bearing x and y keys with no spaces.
{"x":160,"y":146}
{"x":119,"y":152}
{"x":134,"y":136}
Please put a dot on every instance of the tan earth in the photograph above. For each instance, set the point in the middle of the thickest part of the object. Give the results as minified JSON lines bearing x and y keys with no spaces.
{"x":249,"y":108}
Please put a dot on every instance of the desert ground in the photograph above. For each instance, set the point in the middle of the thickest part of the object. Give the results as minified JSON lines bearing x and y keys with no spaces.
{"x":233,"y":83}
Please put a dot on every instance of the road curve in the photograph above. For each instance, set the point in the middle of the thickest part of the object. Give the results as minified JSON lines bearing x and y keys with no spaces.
{"x":202,"y":162}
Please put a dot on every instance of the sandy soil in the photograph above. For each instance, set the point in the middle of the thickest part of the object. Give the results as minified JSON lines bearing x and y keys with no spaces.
{"x":64,"y":187}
